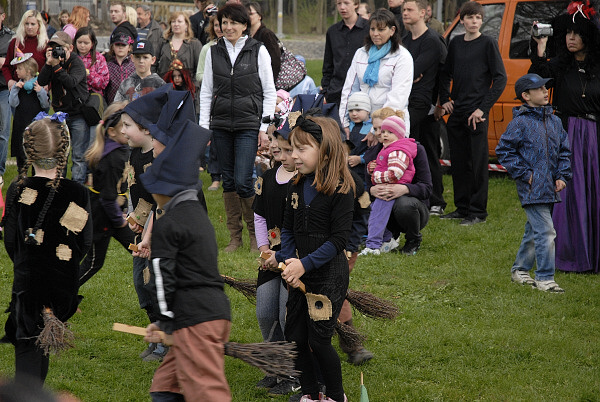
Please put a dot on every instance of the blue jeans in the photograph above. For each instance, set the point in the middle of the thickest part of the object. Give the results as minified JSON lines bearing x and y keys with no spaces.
{"x":236,"y":152}
{"x":80,"y":141}
{"x":271,"y":298}
{"x":4,"y":129}
{"x":537,"y":243}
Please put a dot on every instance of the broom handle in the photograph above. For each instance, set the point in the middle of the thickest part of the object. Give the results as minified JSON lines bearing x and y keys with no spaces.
{"x":301,"y":285}
{"x":131,"y":329}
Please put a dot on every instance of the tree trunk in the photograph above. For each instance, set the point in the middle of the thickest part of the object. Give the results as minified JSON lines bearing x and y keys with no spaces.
{"x":295,"y":15}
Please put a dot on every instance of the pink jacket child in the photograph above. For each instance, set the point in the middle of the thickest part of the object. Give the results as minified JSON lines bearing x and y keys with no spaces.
{"x":394,"y":163}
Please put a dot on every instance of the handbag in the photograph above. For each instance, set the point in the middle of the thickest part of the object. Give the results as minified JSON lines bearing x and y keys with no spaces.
{"x":93,"y":109}
{"x":292,"y":70}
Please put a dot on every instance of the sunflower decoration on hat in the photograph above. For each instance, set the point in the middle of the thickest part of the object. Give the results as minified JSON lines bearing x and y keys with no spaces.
{"x":20,"y":57}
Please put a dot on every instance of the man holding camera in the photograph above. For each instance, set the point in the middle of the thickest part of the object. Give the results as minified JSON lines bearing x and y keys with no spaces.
{"x":66,"y":73}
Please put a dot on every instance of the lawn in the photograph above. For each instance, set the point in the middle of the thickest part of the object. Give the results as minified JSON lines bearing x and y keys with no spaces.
{"x":465,"y":333}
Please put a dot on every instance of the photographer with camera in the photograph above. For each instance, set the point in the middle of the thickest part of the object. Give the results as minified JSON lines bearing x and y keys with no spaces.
{"x":66,"y":74}
{"x":200,"y":20}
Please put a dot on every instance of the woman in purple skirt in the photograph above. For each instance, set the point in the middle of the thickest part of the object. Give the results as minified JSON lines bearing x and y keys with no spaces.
{"x":576,"y":97}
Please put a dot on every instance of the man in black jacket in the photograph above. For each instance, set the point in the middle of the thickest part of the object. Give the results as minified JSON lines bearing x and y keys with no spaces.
{"x":66,"y":74}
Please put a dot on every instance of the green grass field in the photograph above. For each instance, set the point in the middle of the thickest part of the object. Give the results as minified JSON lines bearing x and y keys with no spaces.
{"x":465,"y":333}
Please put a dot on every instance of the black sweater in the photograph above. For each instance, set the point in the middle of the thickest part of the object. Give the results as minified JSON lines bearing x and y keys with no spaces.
{"x":477,"y":73}
{"x":69,"y":84}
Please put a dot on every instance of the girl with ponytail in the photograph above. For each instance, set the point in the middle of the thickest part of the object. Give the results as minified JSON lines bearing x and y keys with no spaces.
{"x":47,"y":231}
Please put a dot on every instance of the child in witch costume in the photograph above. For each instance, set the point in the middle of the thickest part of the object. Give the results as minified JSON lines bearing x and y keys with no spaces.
{"x":26,"y":99}
{"x":194,"y":309}
{"x":271,"y":293}
{"x":107,"y":158}
{"x":316,"y":227}
{"x":47,"y":231}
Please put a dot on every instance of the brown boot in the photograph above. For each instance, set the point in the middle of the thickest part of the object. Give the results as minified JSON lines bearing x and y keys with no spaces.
{"x":248,"y":213}
{"x":233,"y":210}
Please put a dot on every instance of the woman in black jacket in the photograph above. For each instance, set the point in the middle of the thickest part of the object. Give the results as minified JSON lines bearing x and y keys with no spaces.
{"x":261,"y":33}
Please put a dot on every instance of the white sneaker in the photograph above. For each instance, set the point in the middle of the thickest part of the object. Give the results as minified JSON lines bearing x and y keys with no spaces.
{"x":370,"y":251}
{"x":389,"y":246}
{"x":522,"y":277}
{"x":549,"y":286}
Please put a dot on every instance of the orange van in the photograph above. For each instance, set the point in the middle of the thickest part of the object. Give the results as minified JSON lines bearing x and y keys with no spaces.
{"x":510,"y":21}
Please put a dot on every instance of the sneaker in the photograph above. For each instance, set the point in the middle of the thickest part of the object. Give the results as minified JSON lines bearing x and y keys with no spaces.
{"x":370,"y":251}
{"x":359,"y":356}
{"x":389,"y":246}
{"x":522,"y":277}
{"x":157,"y":356}
{"x":411,"y":247}
{"x":453,"y":215}
{"x":549,"y":286}
{"x":471,"y":220}
{"x":285,"y":387}
{"x":151,"y":347}
{"x":267,"y":382}
{"x":436,"y":210}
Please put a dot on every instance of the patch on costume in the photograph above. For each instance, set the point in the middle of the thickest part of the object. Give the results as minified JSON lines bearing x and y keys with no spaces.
{"x":159,"y":213}
{"x":364,"y":200}
{"x":129,"y":174}
{"x":274,"y":237}
{"x":63,"y":252}
{"x":319,"y":307}
{"x":258,"y":185}
{"x":146,"y":166}
{"x":146,"y":275}
{"x":292,"y":117}
{"x":294,"y":202}
{"x":28,"y":196}
{"x":39,"y":236}
{"x":142,"y":211}
{"x":74,"y":218}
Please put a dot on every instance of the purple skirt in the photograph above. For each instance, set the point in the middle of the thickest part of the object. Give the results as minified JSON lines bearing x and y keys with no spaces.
{"x":577,"y":217}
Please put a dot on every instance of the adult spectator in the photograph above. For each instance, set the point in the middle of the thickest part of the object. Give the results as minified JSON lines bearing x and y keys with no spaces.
{"x":199,"y":21}
{"x":131,"y":15}
{"x":147,"y":28}
{"x":6,"y":35}
{"x":237,"y":92}
{"x":80,"y":17}
{"x":576,"y":73}
{"x":364,"y":10}
{"x":432,"y":22}
{"x":342,"y":41}
{"x":68,"y":80}
{"x":118,"y":15}
{"x":179,"y":43}
{"x":261,"y":33}
{"x":49,"y":28}
{"x":31,"y":37}
{"x":428,"y":51}
{"x":396,"y":8}
{"x":382,"y":68}
{"x":475,"y":68}
{"x":214,"y":33}
{"x":63,"y":17}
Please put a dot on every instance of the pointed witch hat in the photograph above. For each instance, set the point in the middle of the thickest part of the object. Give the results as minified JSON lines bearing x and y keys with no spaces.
{"x":20,"y":57}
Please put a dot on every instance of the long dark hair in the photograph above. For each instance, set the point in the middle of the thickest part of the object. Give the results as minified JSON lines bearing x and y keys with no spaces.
{"x":89,"y":32}
{"x":385,"y":18}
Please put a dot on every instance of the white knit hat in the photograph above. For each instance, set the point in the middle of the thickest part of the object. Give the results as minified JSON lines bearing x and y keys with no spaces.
{"x":359,"y":100}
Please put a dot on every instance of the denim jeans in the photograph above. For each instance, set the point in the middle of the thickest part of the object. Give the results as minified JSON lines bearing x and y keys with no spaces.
{"x":271,"y":298}
{"x":236,"y":152}
{"x":537,"y":243}
{"x":4,"y":129}
{"x":80,"y":141}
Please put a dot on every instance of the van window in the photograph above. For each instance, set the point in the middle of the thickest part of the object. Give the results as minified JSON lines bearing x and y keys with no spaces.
{"x":527,"y":12}
{"x":491,"y":22}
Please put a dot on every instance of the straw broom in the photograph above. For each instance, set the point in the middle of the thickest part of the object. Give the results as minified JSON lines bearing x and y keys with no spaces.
{"x":272,"y":358}
{"x":56,"y":336}
{"x":246,"y":286}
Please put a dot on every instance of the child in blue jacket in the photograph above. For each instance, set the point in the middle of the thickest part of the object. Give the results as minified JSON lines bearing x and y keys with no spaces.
{"x":534,"y":149}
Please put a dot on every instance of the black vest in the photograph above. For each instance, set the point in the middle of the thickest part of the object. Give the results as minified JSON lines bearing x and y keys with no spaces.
{"x":237,"y":91}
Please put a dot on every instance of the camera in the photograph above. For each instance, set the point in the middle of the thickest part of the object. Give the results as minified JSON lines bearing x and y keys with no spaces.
{"x":212,"y":10}
{"x":58,"y":53}
{"x":539,"y":30}
{"x":276,"y":120}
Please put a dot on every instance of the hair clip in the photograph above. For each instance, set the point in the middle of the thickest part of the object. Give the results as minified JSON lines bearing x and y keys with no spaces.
{"x":58,"y":116}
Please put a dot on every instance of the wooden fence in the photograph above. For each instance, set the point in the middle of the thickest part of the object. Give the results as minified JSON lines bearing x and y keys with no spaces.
{"x":161,"y":10}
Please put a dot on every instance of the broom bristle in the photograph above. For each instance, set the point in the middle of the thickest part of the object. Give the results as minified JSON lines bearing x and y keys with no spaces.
{"x":349,"y":335}
{"x":371,"y":305}
{"x":275,"y":359}
{"x":56,"y":336}
{"x":245,"y":286}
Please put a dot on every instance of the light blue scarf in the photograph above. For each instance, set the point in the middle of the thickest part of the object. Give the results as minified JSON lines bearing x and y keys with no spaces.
{"x":371,"y":76}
